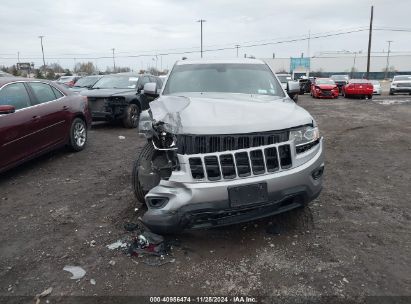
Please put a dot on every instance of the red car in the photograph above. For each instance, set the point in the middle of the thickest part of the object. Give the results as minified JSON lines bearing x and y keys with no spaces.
{"x":37,"y":116}
{"x":358,"y":87}
{"x":324,"y":88}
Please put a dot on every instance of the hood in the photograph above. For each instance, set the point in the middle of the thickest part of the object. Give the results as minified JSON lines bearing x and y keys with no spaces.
{"x":325,"y":86}
{"x":236,"y":113}
{"x":402,"y":81}
{"x":107,"y":92}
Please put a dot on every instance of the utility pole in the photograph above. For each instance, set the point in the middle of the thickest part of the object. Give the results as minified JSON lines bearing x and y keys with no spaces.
{"x":388,"y":58}
{"x":369,"y":43}
{"x":114,"y":61}
{"x":308,"y":52}
{"x":237,"y":46}
{"x":42,"y":51}
{"x":201,"y":27}
{"x":18,"y":57}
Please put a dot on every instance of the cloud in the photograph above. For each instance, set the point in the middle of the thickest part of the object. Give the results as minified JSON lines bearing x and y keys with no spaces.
{"x":90,"y":28}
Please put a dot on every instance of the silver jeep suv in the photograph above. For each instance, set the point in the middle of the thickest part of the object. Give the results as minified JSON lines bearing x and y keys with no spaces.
{"x":225,"y":144}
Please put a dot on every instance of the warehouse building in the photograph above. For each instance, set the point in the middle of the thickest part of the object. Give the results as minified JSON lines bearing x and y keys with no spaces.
{"x":354,"y":65}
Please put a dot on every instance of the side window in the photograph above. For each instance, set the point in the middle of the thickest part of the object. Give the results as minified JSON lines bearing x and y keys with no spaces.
{"x":42,"y":91}
{"x":57,"y":93}
{"x":15,"y":95}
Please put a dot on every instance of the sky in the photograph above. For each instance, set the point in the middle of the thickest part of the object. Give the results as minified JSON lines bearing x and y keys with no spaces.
{"x":87,"y":30}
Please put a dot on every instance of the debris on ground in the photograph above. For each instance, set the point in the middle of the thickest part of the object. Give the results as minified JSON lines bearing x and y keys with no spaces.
{"x":117,"y":245}
{"x":92,"y":282}
{"x":112,"y":263}
{"x":45,"y":293}
{"x":121,"y":137}
{"x":145,"y":244}
{"x":76,"y":271}
{"x":92,"y":243}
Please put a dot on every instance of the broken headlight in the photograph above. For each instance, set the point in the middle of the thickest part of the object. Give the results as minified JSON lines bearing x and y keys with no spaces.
{"x":164,"y":140}
{"x":304,"y":135}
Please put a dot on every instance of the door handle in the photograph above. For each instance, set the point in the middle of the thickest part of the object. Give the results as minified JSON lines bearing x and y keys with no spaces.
{"x":35,"y":117}
{"x":65,"y":108}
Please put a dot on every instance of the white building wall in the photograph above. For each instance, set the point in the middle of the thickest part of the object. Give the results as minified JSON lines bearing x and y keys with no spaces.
{"x":344,"y":63}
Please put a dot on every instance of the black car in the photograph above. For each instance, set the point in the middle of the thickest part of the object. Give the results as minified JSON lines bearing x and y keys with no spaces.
{"x":305,"y":85}
{"x":119,"y":97}
{"x":340,"y":81}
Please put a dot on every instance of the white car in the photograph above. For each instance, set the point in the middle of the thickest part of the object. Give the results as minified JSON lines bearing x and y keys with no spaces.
{"x":225,"y":144}
{"x":377,"y":87}
{"x":401,"y":84}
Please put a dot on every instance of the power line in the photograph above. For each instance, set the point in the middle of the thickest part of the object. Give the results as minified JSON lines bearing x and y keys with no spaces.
{"x":304,"y":38}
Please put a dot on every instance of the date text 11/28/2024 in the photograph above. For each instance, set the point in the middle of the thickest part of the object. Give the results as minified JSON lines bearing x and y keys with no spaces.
{"x":204,"y":299}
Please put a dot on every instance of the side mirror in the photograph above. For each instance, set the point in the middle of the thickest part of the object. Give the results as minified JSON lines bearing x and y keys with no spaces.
{"x":293,"y":89}
{"x":150,"y":88}
{"x":7,"y":109}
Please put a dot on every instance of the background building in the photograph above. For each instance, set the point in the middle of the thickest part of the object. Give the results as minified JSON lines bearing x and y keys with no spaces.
{"x":354,"y":64}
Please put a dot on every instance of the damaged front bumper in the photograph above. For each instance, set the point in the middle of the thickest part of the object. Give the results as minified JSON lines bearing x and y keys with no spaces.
{"x":203,"y":204}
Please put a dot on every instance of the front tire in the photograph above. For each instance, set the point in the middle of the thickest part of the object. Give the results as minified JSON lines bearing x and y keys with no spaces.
{"x":146,"y":155}
{"x":391,"y":92}
{"x":132,"y":116}
{"x":78,"y":135}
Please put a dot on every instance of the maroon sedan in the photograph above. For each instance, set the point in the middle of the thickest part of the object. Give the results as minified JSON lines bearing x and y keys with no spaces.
{"x":37,"y":116}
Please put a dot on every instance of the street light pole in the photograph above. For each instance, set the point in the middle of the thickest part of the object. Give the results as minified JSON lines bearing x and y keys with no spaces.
{"x":388,"y":58}
{"x":114,"y":61}
{"x":42,"y":51}
{"x":201,"y":27}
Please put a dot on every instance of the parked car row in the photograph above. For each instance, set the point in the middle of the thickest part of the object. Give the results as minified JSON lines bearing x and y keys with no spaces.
{"x":342,"y":85}
{"x":37,"y":116}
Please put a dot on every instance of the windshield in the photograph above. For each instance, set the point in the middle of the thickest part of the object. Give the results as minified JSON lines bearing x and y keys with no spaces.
{"x":325,"y":81}
{"x":86,"y":82}
{"x":339,"y":77}
{"x":401,"y":78}
{"x":284,"y":78}
{"x":224,"y":78}
{"x":116,"y":82}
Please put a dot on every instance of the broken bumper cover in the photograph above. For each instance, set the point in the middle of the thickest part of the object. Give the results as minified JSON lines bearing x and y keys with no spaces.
{"x":207,"y":204}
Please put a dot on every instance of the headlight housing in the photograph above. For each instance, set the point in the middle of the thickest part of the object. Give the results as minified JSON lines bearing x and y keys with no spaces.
{"x":164,"y":140}
{"x":304,"y":135}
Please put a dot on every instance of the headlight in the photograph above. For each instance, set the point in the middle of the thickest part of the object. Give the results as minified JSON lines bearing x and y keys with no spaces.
{"x":164,"y":140}
{"x":304,"y":135}
{"x":393,"y":84}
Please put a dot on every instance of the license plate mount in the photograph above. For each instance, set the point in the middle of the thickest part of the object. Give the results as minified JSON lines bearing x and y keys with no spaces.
{"x":251,"y":194}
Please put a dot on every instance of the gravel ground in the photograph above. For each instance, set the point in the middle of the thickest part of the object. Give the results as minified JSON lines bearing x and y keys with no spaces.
{"x":353,"y":241}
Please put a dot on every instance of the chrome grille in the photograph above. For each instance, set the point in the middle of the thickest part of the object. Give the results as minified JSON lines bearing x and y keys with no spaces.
{"x":241,"y":164}
{"x":200,"y":144}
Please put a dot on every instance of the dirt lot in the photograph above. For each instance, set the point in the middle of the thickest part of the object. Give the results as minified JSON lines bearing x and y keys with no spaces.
{"x":353,"y":241}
